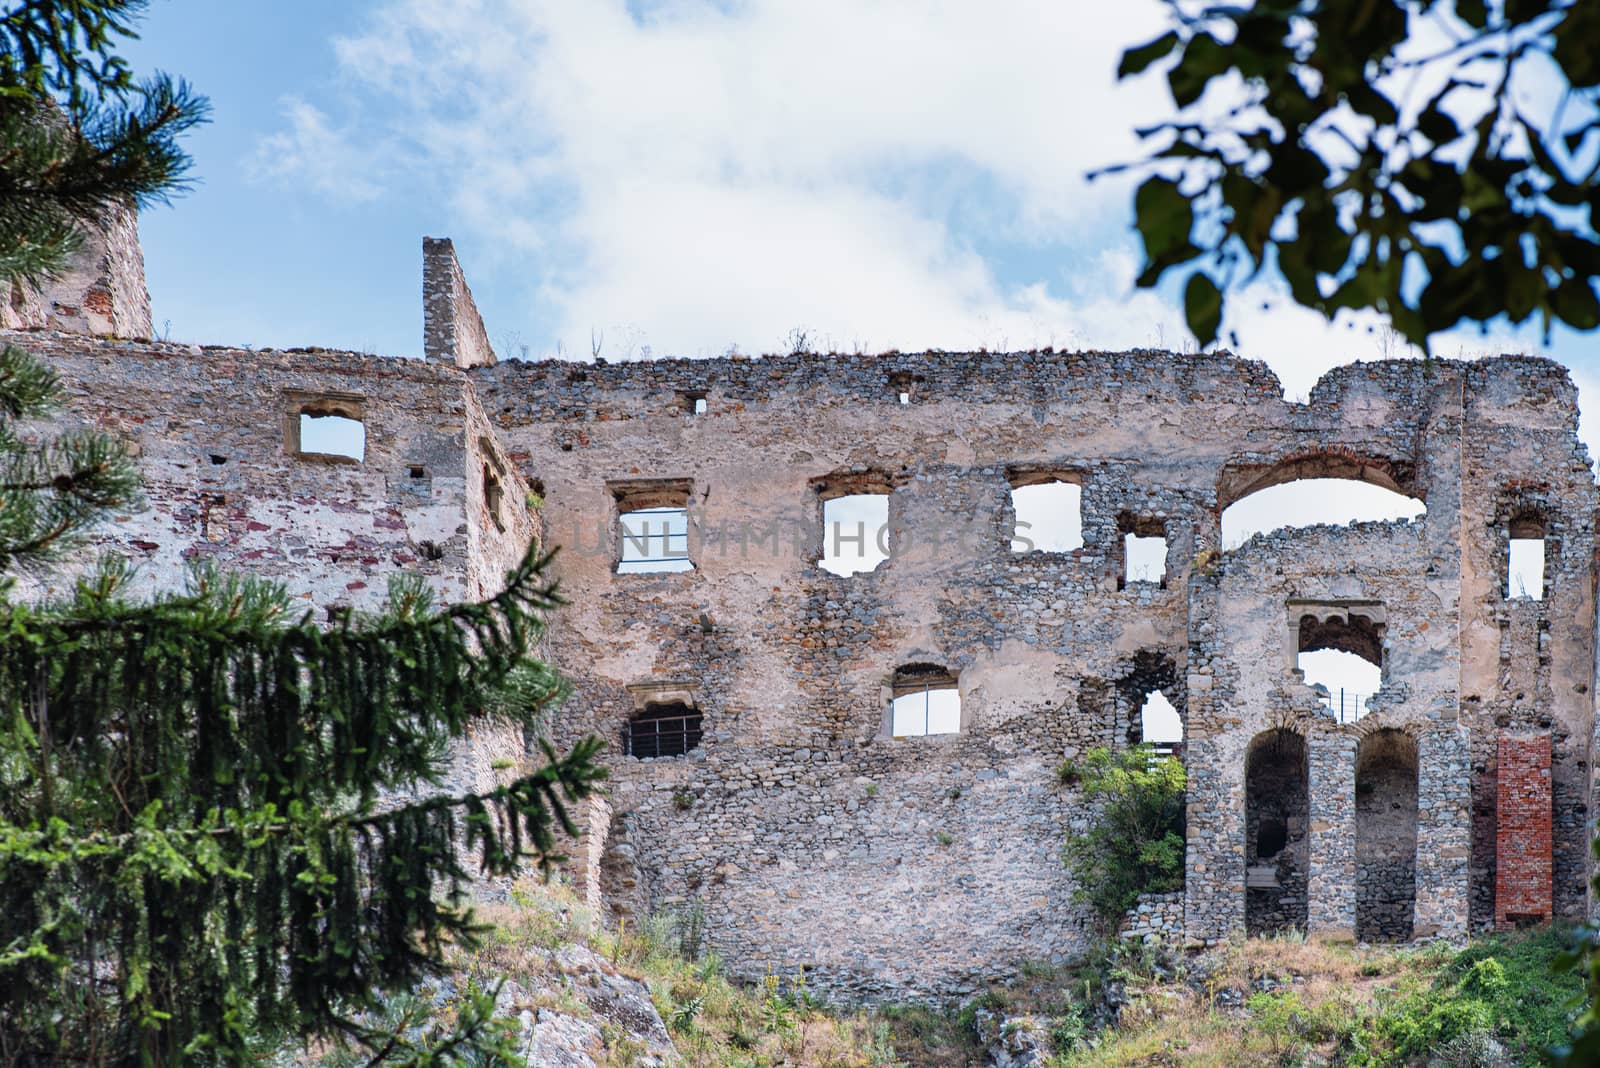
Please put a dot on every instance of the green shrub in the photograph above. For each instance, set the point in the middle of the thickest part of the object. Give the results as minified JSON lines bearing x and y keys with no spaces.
{"x":1509,"y":993}
{"x":1134,"y":844}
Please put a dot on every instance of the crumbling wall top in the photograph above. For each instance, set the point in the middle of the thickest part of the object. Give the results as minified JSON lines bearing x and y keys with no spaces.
{"x":452,"y":329}
{"x":101,"y":293}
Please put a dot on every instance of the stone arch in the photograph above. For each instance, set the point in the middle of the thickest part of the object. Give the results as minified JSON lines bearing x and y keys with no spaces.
{"x":1386,"y":835}
{"x":1389,"y":492}
{"x":1240,"y":478}
{"x":1277,"y":831}
{"x":1354,"y":628}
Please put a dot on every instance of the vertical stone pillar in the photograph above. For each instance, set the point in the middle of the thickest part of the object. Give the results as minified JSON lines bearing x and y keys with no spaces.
{"x":1214,"y":856}
{"x":1523,"y":868}
{"x":594,"y":821}
{"x":1444,"y":833}
{"x":452,"y":329}
{"x":1331,"y":887}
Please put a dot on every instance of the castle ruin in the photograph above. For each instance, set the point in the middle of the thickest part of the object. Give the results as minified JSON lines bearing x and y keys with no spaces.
{"x":761,"y":770}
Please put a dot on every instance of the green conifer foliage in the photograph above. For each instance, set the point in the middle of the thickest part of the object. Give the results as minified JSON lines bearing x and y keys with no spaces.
{"x":201,"y":837}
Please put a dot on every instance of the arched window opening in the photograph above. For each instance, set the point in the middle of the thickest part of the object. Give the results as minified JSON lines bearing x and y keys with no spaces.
{"x":1386,"y":837}
{"x":1277,"y":823}
{"x":1048,"y":511}
{"x":663,"y":730}
{"x":1525,"y":562}
{"x":926,"y":700}
{"x":1160,"y":725}
{"x":1312,"y":502}
{"x":1339,"y":651}
{"x":1319,"y":488}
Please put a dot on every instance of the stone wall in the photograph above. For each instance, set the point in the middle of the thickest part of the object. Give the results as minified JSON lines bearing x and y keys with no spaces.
{"x":101,"y":292}
{"x":1155,"y":918}
{"x":452,"y":329}
{"x":213,"y":433}
{"x":815,"y":840}
{"x":811,"y":836}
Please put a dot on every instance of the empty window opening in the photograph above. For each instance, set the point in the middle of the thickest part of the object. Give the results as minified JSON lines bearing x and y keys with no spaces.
{"x":694,"y":403}
{"x":417,"y":471}
{"x":1525,"y":559}
{"x":663,"y":730}
{"x":330,"y":435}
{"x":217,"y":459}
{"x":855,"y":533}
{"x":654,"y":539}
{"x":900,"y":383}
{"x":926,"y":700}
{"x":1144,"y":558}
{"x":1160,"y":724}
{"x":652,"y":527}
{"x":1049,"y":515}
{"x":1386,"y":837}
{"x":1277,"y":820}
{"x":1311,"y":502}
{"x":493,"y":496}
{"x":1340,"y":656}
{"x":1525,"y":573}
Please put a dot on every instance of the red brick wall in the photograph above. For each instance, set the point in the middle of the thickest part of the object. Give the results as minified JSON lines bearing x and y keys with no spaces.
{"x":1522,"y":881}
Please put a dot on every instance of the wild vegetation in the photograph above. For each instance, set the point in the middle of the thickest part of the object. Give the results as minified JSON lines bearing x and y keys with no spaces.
{"x":1497,"y":1003}
{"x":1134,"y":842}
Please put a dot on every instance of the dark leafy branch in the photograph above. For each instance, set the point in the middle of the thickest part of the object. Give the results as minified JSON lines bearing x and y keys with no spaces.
{"x":1379,"y":154}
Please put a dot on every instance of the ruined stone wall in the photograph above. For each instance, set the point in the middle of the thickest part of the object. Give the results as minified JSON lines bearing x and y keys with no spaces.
{"x":213,"y":433}
{"x":926,"y":866}
{"x":923,"y":865}
{"x":101,"y":292}
{"x":1527,"y":665}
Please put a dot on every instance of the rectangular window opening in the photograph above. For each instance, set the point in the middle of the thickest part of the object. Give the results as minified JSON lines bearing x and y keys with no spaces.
{"x":332,"y":434}
{"x":654,"y":540}
{"x":1049,"y":516}
{"x":663,"y":730}
{"x":1525,"y":569}
{"x":924,"y":706}
{"x":855,"y":533}
{"x":1144,"y":558}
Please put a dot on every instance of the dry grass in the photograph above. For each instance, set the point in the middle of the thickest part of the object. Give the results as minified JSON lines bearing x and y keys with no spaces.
{"x":1263,"y":1002}
{"x":713,"y":1021}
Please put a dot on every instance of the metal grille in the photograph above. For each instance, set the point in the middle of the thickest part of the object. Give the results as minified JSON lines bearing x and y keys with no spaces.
{"x":659,"y":735}
{"x":1347,"y":706}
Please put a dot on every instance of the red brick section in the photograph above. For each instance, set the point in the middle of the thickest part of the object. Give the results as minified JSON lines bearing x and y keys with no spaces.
{"x":1522,"y":880}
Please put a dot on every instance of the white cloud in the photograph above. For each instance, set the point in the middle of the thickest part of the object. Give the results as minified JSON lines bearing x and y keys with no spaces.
{"x":311,"y":152}
{"x":713,"y":174}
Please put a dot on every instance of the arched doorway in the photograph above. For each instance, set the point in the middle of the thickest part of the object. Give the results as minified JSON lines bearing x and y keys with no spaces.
{"x":1386,"y":836}
{"x":1277,"y":826}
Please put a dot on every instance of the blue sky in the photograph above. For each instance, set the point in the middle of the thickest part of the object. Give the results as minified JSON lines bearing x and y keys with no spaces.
{"x":681,"y":177}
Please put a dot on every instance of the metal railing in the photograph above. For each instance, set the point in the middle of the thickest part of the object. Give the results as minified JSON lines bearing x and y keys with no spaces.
{"x":1347,"y":706}
{"x":666,"y":736}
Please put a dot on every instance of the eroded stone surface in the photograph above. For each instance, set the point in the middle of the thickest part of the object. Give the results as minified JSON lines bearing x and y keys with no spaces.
{"x":808,"y":837}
